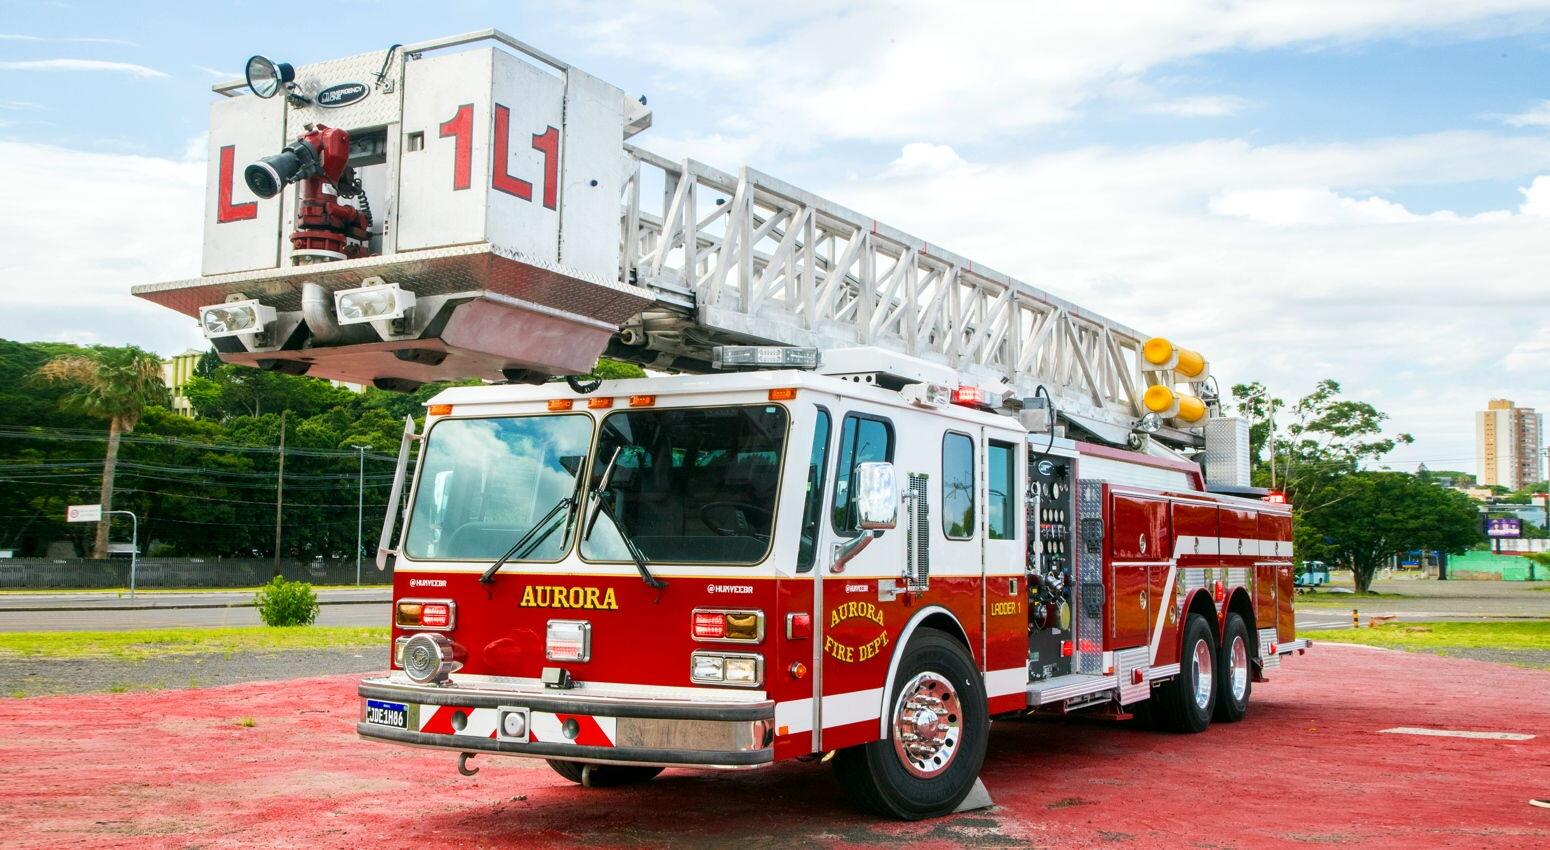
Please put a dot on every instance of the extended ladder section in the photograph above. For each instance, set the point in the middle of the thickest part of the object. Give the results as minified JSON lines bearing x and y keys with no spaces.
{"x":750,"y":258}
{"x":491,"y":223}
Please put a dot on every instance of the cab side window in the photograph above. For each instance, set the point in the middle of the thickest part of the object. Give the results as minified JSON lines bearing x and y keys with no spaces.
{"x":863,"y":439}
{"x":957,"y":486}
{"x":1001,"y":479}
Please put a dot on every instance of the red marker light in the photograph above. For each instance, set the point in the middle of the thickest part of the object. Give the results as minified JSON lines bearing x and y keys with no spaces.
{"x":710,"y":625}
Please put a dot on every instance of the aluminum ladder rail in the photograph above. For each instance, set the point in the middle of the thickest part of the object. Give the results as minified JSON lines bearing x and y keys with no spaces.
{"x":751,"y":258}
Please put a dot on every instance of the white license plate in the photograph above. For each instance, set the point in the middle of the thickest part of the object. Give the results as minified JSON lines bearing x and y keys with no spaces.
{"x":394,"y":714}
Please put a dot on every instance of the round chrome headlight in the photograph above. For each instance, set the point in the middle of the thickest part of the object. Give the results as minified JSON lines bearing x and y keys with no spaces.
{"x":428,"y":658}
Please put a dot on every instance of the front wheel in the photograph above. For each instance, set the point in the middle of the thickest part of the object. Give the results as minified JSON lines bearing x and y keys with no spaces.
{"x":938,"y":727}
{"x":602,"y":775}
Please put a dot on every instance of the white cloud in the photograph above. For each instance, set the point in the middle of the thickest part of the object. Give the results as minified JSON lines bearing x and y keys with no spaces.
{"x":1536,"y":197}
{"x":1201,"y":106}
{"x":217,"y":73}
{"x":80,"y":65}
{"x":1530,"y":354}
{"x":923,"y":158}
{"x":21,"y":106}
{"x":930,"y":71}
{"x":69,"y":40}
{"x":93,"y":226}
{"x":1537,"y":115}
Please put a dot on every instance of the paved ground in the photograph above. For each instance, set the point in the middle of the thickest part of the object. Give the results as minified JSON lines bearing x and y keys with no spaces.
{"x":1309,"y":767}
{"x":94,"y":675}
{"x":67,"y":611}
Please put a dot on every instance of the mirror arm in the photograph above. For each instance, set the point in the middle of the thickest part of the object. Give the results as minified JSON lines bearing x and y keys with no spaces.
{"x":847,"y":549}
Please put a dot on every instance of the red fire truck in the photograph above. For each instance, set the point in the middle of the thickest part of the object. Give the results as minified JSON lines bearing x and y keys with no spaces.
{"x":885,"y":495}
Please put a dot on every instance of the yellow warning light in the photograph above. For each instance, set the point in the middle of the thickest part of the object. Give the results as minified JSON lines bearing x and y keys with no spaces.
{"x":1159,"y":353}
{"x":1191,"y":409}
{"x":1159,"y":400}
{"x":1168,"y":404}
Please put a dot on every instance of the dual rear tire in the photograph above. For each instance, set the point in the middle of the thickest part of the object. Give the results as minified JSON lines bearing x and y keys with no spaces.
{"x":1214,"y":681}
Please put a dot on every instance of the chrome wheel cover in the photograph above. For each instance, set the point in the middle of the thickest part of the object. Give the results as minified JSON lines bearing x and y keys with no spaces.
{"x":927,"y":725}
{"x":1201,"y":674}
{"x":1240,"y":668}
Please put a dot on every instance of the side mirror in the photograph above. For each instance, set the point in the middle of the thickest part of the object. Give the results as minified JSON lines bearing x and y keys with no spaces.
{"x":876,"y":496}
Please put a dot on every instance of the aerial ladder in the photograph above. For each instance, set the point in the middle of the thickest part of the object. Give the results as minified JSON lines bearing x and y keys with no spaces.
{"x":470,"y":207}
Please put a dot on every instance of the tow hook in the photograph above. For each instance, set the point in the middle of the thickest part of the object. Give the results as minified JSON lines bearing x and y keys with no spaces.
{"x":462,"y":764}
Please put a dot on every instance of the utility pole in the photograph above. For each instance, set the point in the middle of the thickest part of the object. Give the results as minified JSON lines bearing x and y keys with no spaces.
{"x":360,"y":507}
{"x":279,"y":494}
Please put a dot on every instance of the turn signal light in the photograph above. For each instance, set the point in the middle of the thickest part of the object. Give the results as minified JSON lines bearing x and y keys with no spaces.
{"x":728,"y":626}
{"x":439,"y":409}
{"x":425,"y":614}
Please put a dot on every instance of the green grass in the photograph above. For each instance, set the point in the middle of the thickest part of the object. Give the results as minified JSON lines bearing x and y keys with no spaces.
{"x":153,"y":643}
{"x":1516,"y":635}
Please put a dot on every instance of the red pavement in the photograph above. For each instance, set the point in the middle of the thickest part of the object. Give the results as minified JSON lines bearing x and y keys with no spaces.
{"x":1308,"y":767}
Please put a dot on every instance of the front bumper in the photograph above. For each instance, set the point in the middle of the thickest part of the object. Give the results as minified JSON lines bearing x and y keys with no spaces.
{"x":568,"y":725}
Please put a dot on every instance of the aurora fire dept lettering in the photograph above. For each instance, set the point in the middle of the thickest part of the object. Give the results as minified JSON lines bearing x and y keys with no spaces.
{"x":559,"y":596}
{"x":849,"y":653}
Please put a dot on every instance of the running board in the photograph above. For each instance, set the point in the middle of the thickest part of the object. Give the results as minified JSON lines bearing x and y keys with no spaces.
{"x":1062,"y":688}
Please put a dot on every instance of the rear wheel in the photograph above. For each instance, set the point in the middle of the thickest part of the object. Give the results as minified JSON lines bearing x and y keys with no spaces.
{"x":1234,"y":682}
{"x":602,"y":775}
{"x":938,"y":727}
{"x":1185,"y":703}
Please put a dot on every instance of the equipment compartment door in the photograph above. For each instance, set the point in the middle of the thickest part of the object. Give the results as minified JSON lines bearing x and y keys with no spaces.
{"x":1138,"y":538}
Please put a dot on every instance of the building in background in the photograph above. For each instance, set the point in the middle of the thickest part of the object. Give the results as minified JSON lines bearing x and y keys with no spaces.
{"x":1508,"y":441}
{"x":175,"y":373}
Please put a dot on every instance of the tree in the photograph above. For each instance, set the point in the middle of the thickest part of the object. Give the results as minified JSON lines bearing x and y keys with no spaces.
{"x":1361,"y":519}
{"x":1327,"y":437}
{"x":116,"y":384}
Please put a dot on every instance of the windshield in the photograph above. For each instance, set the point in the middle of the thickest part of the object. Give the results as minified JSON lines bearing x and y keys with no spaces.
{"x":691,"y":485}
{"x":484,"y":482}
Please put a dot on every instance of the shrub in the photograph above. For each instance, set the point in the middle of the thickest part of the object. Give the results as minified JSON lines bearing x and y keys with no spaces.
{"x":286,"y":603}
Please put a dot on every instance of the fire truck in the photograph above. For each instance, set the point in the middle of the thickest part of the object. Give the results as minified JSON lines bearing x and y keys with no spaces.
{"x":872,"y":496}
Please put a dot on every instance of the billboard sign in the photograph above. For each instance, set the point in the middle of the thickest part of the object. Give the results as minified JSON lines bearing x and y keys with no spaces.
{"x":1500,"y":527}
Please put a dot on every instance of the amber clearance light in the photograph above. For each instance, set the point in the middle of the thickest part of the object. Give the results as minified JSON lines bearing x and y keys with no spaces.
{"x":440,"y":409}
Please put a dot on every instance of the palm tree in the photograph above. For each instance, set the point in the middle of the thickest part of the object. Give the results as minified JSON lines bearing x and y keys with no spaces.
{"x":114,"y":384}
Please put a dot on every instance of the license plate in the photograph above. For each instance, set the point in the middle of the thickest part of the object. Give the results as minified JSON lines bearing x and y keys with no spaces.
{"x":394,"y":714}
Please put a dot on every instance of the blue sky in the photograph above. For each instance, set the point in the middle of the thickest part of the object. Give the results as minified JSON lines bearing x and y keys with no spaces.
{"x":1299,"y":189}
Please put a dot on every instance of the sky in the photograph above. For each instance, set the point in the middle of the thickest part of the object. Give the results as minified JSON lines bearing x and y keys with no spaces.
{"x":1347,"y":189}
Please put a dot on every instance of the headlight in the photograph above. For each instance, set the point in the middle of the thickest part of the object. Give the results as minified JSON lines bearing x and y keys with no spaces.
{"x":428,"y":658}
{"x":744,"y":670}
{"x":372,"y":303}
{"x":235,"y":318}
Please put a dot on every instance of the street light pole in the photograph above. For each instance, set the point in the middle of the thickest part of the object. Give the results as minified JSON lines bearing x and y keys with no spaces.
{"x":134,"y":547}
{"x":360,"y":509}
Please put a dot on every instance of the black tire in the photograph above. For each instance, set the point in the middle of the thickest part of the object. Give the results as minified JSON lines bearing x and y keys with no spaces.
{"x":1177,"y":702}
{"x":602,"y":775}
{"x":875,"y":776}
{"x":1236,"y":650}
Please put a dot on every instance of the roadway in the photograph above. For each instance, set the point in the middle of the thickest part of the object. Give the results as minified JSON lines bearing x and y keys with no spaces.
{"x":368,"y":606}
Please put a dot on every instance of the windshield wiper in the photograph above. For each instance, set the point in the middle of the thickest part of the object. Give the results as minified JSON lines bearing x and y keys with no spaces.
{"x":629,"y":544}
{"x":590,"y":522}
{"x":522,"y":547}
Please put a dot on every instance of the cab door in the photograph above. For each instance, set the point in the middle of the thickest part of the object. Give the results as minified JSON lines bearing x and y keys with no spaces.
{"x":856,"y":622}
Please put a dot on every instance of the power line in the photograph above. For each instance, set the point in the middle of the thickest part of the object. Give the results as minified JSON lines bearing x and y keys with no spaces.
{"x":77,"y":435}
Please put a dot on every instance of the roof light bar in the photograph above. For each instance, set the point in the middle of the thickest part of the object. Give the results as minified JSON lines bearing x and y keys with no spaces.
{"x":764,"y":357}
